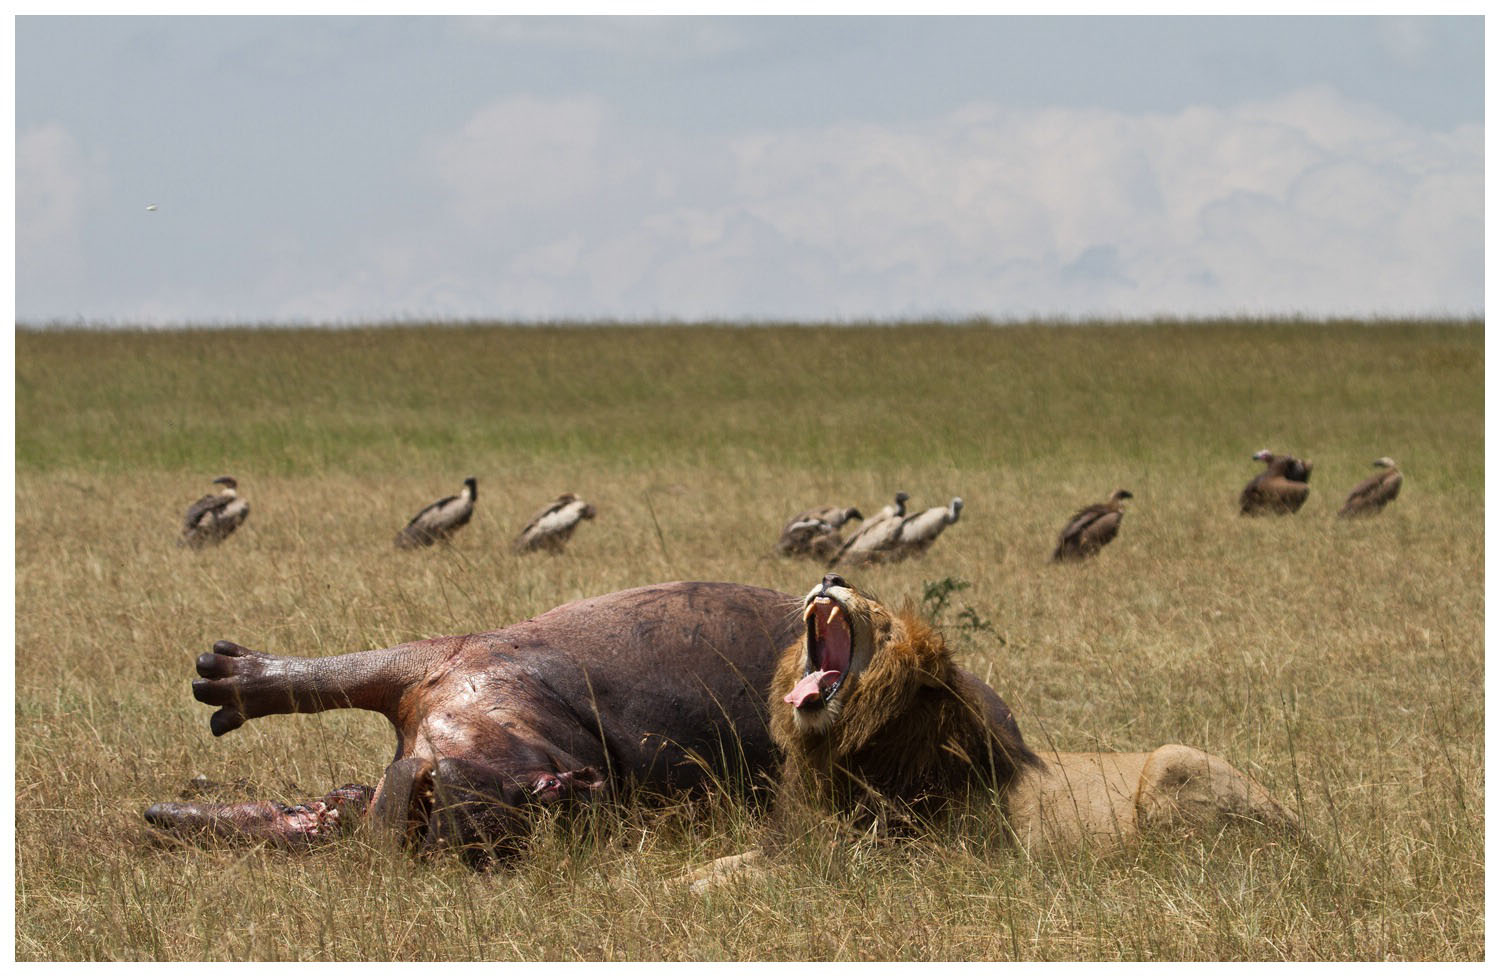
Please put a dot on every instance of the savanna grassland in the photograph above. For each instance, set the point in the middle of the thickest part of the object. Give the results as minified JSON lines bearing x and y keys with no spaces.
{"x":1338,"y":662}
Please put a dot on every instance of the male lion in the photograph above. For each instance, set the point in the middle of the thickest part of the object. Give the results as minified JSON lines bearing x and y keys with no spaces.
{"x":878,"y":725}
{"x":873,"y":717}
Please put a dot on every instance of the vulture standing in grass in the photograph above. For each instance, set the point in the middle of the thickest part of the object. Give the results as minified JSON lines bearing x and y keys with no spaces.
{"x":918,"y":531}
{"x":1371,"y":495}
{"x":442,"y":519}
{"x":213,"y":517}
{"x":1090,"y":528}
{"x":553,"y":526}
{"x":878,"y":534}
{"x":815,"y":533}
{"x":1280,"y":489}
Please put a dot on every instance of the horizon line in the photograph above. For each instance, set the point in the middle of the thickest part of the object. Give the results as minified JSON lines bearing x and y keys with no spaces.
{"x":81,"y":324}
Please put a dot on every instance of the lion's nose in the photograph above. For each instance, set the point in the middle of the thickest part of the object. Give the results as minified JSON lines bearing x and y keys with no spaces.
{"x":834,"y":580}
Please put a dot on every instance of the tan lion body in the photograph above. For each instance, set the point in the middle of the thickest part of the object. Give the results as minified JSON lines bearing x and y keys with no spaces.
{"x":912,"y":733}
{"x":1103,"y":797}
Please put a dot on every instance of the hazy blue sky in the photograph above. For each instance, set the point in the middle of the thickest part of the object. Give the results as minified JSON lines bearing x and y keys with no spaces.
{"x":345,"y":169}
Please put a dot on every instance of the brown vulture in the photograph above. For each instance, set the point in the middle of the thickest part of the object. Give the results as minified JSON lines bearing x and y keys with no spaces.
{"x":1090,"y":528}
{"x":1371,"y":495}
{"x":1280,"y":489}
{"x":213,"y":517}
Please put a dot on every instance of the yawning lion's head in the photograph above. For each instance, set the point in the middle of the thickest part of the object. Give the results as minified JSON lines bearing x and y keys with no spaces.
{"x":869,"y":702}
{"x":844,"y":631}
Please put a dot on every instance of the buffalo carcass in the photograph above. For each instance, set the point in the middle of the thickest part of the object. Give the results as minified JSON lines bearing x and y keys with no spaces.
{"x":656,"y":691}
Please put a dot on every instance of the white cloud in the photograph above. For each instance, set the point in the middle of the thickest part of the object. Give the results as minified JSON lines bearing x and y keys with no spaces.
{"x":57,"y":181}
{"x":523,"y":154}
{"x":1325,"y":118}
{"x":1310,"y":203}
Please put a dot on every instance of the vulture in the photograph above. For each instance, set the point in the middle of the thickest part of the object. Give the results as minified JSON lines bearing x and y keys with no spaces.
{"x":1371,"y":495}
{"x":878,"y":534}
{"x":214,"y":516}
{"x":1090,"y":528}
{"x":553,"y":525}
{"x":1280,"y":489}
{"x":815,"y":532}
{"x":442,"y":519}
{"x":918,"y":531}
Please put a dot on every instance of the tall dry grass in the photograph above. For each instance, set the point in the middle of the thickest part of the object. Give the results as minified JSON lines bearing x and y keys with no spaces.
{"x":1339,"y":663}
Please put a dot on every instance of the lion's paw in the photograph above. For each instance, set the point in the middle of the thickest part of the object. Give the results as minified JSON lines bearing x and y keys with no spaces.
{"x":722,"y":871}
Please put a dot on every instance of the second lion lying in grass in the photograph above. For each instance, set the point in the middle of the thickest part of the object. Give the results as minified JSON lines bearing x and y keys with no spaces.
{"x":880,"y":728}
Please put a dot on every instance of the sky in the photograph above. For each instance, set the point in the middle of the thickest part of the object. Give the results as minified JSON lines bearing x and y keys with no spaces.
{"x":221,"y":170}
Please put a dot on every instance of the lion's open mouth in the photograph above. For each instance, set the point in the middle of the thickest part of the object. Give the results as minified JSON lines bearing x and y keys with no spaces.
{"x":829,"y":648}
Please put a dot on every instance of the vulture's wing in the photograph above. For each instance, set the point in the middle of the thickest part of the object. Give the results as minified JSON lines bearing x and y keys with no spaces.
{"x":204,"y":506}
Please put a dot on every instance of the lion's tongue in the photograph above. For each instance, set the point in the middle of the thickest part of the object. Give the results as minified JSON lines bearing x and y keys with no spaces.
{"x":810,"y":688}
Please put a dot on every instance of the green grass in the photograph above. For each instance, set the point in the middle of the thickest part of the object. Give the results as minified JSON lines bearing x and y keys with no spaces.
{"x":1339,"y":663}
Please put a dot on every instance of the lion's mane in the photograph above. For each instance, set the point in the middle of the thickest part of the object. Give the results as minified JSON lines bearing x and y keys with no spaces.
{"x":917,"y":731}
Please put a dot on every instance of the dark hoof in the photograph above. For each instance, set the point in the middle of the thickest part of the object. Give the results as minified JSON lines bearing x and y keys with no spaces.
{"x":224,"y":672}
{"x":224,"y":720}
{"x":221,"y":662}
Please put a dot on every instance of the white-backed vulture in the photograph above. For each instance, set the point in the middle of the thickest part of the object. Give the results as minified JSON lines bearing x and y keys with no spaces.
{"x":894,"y":509}
{"x":441,"y":520}
{"x":919,"y":530}
{"x":213,"y":517}
{"x":553,"y":525}
{"x":878,"y":534}
{"x":1280,"y":489}
{"x":1371,"y":495}
{"x":1090,"y":528}
{"x":815,"y":532}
